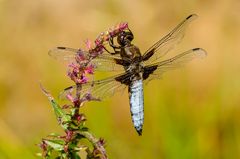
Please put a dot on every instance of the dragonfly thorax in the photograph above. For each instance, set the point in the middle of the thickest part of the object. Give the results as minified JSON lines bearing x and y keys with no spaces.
{"x":130,"y":52}
{"x":135,"y":67}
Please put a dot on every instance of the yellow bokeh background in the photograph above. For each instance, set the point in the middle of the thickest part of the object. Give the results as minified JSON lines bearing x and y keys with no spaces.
{"x":191,"y":113}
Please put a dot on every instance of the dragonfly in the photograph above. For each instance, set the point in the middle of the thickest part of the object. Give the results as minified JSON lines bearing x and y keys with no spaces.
{"x":137,"y":68}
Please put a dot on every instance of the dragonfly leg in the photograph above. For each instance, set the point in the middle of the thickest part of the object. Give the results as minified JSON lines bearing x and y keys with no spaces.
{"x":111,"y":43}
{"x":131,"y":32}
{"x":112,"y":53}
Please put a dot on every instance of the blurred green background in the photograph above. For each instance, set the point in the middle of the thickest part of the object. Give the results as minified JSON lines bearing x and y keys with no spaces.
{"x":192,"y":113}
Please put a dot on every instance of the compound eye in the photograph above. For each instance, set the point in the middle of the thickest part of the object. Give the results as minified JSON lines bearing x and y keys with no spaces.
{"x":130,"y":37}
{"x":121,"y":39}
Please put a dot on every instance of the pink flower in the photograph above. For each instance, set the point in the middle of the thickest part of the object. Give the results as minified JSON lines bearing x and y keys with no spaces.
{"x":79,"y":117}
{"x":73,"y":76}
{"x":80,"y":57}
{"x":43,"y":145}
{"x":99,"y":41}
{"x":82,"y":80}
{"x":75,"y":68}
{"x":122,"y":26}
{"x":89,"y":69}
{"x":89,"y":44}
{"x":69,"y":135}
{"x":101,"y":141}
{"x":70,"y":97}
{"x":76,"y":102}
{"x":88,"y":97}
{"x":96,"y":51}
{"x":118,"y":28}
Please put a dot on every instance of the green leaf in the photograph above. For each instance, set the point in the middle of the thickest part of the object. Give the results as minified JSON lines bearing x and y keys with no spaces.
{"x":53,"y":135}
{"x":84,"y":129}
{"x":75,"y":156}
{"x":60,"y":114}
{"x":81,"y":148}
{"x":57,"y":145}
{"x":64,"y":155}
{"x":39,"y":154}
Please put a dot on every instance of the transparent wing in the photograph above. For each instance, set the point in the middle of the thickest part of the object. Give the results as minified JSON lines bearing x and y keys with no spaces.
{"x":100,"y":89}
{"x":155,"y":71}
{"x":107,"y":62}
{"x":64,"y":54}
{"x":168,"y":42}
{"x":104,"y":62}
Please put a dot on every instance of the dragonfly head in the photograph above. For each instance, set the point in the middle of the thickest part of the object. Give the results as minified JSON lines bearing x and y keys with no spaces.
{"x":125,"y":38}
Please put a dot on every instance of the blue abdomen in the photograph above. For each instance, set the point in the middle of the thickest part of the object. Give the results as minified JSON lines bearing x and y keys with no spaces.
{"x":136,"y":104}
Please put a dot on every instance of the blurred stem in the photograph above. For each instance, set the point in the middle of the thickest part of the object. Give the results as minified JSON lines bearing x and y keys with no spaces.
{"x":95,"y":143}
